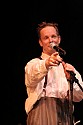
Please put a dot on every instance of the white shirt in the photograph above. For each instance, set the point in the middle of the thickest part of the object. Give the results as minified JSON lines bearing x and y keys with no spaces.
{"x":57,"y":84}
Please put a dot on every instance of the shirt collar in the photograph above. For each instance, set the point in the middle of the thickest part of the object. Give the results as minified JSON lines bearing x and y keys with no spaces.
{"x":44,"y":55}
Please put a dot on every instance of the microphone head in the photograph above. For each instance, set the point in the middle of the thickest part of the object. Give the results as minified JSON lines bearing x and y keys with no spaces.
{"x":57,"y":48}
{"x":52,"y":44}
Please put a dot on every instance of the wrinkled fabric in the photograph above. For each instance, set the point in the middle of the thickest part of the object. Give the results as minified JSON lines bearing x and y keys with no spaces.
{"x":57,"y":84}
{"x":49,"y":111}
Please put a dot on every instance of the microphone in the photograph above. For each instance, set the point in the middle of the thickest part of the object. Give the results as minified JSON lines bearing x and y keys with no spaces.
{"x":58,"y":49}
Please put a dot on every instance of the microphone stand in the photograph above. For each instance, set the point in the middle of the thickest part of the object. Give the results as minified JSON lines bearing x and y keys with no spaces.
{"x":71,"y":80}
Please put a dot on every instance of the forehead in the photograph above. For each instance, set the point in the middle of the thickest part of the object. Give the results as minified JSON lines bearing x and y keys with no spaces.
{"x":48,"y":30}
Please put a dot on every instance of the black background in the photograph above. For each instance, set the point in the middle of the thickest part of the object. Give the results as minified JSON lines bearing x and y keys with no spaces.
{"x":20,"y":20}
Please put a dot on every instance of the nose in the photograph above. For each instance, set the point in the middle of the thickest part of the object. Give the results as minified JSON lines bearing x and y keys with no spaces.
{"x":50,"y":39}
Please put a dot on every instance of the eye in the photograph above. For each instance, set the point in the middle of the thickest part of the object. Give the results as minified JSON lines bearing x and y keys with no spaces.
{"x":54,"y":36}
{"x":46,"y":37}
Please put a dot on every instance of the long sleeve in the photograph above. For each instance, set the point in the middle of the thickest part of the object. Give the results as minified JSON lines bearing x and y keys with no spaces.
{"x":77,"y":92}
{"x":35,"y":71}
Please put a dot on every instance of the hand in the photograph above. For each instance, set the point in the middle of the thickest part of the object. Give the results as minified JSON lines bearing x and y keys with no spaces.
{"x":67,"y":67}
{"x":53,"y":60}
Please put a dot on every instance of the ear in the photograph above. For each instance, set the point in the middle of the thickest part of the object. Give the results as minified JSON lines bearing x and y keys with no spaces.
{"x":40,"y":42}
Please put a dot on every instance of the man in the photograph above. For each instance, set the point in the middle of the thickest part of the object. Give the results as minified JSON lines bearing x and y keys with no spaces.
{"x":47,"y":82}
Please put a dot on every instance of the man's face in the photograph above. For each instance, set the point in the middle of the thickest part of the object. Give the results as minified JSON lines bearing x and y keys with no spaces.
{"x":48,"y":35}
